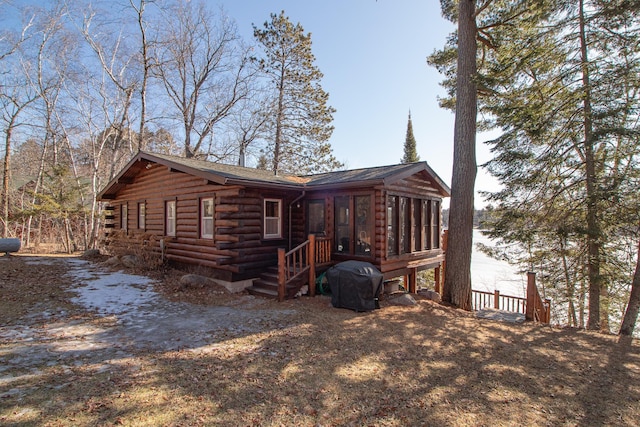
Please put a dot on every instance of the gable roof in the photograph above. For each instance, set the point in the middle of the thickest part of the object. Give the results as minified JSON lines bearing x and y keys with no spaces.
{"x":237,"y":175}
{"x":379,"y":175}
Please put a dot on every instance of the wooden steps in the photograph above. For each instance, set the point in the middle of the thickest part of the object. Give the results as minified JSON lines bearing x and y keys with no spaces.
{"x":267,"y":285}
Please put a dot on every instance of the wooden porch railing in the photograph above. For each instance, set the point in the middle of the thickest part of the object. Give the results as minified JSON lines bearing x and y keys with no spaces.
{"x":300,"y":260}
{"x":482,"y":299}
{"x":538,"y":309}
{"x":533,"y":306}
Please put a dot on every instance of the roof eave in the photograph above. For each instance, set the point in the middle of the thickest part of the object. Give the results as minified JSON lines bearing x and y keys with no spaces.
{"x":341,"y":185}
{"x":102,"y":195}
{"x":262,"y":184}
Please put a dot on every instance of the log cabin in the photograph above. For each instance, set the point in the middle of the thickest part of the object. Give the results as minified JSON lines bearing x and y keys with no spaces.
{"x":273,"y":233}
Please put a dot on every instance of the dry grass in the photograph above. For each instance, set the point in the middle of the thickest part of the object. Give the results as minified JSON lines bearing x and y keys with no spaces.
{"x":398,"y":366}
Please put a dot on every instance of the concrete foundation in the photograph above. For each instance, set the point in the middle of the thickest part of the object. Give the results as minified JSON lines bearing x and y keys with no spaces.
{"x":235,"y":287}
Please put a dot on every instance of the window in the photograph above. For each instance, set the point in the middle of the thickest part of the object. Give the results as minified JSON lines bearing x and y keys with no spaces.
{"x":343,"y":239}
{"x":426,"y":225}
{"x":435,"y":223}
{"x":170,"y":218}
{"x":124,"y":216}
{"x":413,"y":225}
{"x":353,"y":225}
{"x":315,"y":217}
{"x":404,"y":223}
{"x":364,"y":225}
{"x":142,"y":212}
{"x":392,"y":225}
{"x":416,"y":244}
{"x":272,"y":218}
{"x":206,"y":218}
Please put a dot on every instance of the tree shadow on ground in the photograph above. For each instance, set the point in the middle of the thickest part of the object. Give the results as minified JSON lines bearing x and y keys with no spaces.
{"x":317,"y":365}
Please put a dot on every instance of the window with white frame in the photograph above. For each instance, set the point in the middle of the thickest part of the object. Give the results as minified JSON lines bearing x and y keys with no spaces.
{"x":206,"y":218}
{"x":170,"y":218}
{"x":142,"y":215}
{"x":272,"y":218}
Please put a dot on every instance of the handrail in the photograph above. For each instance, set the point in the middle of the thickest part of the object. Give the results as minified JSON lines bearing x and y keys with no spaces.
{"x":538,"y":309}
{"x":301,"y":259}
{"x":495,"y":300}
{"x":533,"y":306}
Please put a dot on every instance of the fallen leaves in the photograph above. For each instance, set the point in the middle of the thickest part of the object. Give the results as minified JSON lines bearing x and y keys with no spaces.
{"x":422,"y":365}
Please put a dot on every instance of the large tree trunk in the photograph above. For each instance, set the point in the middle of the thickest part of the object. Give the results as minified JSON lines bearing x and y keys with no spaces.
{"x":631,"y":314}
{"x":457,"y":282}
{"x":593,"y":226}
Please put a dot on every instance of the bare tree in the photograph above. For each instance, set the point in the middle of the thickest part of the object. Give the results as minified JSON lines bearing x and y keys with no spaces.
{"x":15,"y":96}
{"x":53,"y":46}
{"x":103,"y":104}
{"x":146,"y":62}
{"x":204,"y":68}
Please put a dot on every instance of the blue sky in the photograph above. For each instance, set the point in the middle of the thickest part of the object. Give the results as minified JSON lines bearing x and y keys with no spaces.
{"x":373,"y":57}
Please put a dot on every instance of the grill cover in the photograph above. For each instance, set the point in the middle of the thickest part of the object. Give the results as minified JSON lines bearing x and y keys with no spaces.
{"x":355,"y":285}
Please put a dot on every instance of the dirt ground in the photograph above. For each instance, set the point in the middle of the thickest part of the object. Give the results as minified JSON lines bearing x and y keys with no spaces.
{"x":85,"y":344}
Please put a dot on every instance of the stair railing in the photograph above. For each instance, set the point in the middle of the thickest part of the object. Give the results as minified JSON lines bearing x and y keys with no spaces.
{"x":301,"y":259}
{"x":538,"y":310}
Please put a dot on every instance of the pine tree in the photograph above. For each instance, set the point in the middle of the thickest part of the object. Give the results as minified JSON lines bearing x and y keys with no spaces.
{"x":301,"y":125}
{"x":561,"y":84}
{"x":457,"y":281}
{"x":410,"y":152}
{"x":458,"y":61}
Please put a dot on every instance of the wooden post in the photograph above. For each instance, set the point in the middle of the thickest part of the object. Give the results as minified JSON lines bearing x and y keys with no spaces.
{"x":281,"y":275}
{"x":413,"y":279}
{"x":311,"y":253}
{"x":436,"y":273}
{"x":496,"y":300}
{"x":547,"y":307}
{"x":532,"y":292}
{"x":445,"y":243}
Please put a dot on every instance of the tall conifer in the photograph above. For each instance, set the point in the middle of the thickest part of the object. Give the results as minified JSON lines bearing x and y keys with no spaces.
{"x":301,"y":125}
{"x":410,"y":151}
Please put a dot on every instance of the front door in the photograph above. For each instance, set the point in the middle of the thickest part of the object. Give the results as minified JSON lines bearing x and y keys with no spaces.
{"x":353,"y":225}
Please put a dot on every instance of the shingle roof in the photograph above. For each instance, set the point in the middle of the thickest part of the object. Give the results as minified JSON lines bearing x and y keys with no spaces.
{"x":230,"y":174}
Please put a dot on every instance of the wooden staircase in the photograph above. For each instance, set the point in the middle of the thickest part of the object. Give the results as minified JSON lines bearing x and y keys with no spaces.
{"x":295,"y":269}
{"x":267,"y":285}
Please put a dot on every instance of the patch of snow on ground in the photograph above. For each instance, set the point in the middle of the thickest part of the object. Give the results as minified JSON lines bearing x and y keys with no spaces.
{"x":147,"y":320}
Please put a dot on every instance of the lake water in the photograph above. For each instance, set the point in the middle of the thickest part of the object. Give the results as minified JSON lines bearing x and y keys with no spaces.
{"x":488,"y":274}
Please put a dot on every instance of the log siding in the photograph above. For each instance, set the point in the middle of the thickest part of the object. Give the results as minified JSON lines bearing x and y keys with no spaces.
{"x":238,"y":249}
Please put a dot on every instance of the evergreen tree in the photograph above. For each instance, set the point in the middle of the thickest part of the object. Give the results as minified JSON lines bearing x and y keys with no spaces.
{"x":457,"y":281}
{"x":301,"y":125}
{"x":410,"y":152}
{"x":561,"y":82}
{"x":465,"y":51}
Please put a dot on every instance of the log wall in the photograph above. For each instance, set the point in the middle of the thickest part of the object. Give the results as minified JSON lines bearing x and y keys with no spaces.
{"x":237,"y":250}
{"x":415,"y":187}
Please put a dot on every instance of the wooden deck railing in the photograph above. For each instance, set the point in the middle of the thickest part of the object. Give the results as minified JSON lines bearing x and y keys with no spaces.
{"x":533,"y":306}
{"x":482,"y":299}
{"x":300,"y":260}
{"x":538,"y":309}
